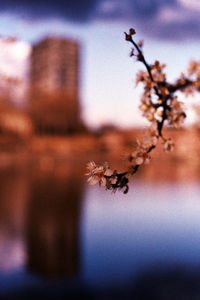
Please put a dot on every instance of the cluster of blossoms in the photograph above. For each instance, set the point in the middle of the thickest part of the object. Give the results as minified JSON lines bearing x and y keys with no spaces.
{"x":106,"y":177}
{"x":99,"y":174}
{"x":194,"y":69}
{"x":176,"y":115}
{"x":159,"y":105}
{"x":140,"y":155}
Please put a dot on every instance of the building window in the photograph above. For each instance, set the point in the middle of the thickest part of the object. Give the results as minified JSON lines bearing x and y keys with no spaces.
{"x":63,"y":76}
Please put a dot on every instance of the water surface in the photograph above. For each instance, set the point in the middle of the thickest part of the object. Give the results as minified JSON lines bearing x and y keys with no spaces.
{"x":57,"y":231}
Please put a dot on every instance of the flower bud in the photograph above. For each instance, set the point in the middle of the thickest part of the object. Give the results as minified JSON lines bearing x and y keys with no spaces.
{"x":140,"y":44}
{"x":132,"y":31}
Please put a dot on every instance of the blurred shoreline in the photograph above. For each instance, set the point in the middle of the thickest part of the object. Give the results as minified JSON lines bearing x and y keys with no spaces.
{"x":52,"y":152}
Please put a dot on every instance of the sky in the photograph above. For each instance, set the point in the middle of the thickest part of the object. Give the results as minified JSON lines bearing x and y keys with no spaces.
{"x":170,"y":30}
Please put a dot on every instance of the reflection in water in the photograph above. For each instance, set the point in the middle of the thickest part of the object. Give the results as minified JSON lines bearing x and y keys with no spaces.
{"x":39,"y":221}
{"x":48,"y":231}
{"x":14,"y":193}
{"x":52,"y":228}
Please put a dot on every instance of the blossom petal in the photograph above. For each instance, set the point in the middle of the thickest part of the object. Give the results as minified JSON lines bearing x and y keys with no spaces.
{"x":139,"y":160}
{"x":92,"y":180}
{"x":102,"y":182}
{"x":108,"y":172}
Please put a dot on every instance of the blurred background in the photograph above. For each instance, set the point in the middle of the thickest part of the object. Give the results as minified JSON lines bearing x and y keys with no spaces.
{"x":68,"y":95}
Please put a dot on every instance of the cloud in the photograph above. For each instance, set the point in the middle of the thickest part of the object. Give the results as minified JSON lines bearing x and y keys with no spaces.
{"x":173,"y":20}
{"x":191,"y":4}
{"x":163,"y":19}
{"x":76,"y":10}
{"x":178,"y":22}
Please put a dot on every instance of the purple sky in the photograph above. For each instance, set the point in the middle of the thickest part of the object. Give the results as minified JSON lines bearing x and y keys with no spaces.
{"x":170,"y":29}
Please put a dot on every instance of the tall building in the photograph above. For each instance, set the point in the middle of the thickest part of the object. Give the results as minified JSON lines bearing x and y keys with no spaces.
{"x":54,"y":80}
{"x":54,"y":66}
